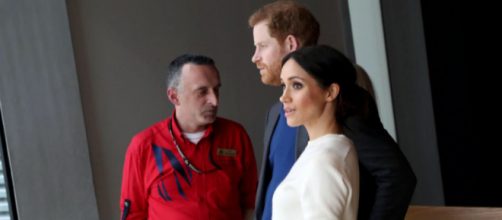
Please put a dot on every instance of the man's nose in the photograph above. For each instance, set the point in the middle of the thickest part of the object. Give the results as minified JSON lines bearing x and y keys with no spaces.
{"x":255,"y":56}
{"x":213,"y":98}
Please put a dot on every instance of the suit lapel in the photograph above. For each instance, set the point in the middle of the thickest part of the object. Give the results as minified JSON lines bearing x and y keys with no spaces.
{"x":301,"y":140}
{"x":271,"y":123}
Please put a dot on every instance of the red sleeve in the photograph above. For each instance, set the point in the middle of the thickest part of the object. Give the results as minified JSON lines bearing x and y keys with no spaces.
{"x":250,"y":180}
{"x":133,"y":189}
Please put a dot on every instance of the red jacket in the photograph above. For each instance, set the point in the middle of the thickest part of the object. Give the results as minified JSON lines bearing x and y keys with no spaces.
{"x":158,"y":185}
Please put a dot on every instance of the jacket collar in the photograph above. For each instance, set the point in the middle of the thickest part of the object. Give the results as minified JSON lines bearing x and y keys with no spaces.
{"x":178,"y":133}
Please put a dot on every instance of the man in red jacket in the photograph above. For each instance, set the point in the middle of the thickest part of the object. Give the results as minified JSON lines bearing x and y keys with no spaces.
{"x":192,"y":165}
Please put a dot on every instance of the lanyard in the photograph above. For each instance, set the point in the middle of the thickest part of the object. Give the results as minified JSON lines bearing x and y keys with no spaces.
{"x":185,"y":159}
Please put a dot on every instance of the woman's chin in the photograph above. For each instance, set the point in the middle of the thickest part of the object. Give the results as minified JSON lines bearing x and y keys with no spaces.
{"x":292,"y":123}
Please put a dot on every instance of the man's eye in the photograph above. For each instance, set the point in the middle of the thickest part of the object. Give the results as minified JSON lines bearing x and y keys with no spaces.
{"x":202,"y":92}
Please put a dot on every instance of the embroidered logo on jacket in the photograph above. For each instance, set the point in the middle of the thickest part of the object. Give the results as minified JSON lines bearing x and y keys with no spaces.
{"x":226,"y":152}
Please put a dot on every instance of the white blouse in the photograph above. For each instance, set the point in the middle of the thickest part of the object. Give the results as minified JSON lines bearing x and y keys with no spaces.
{"x":322,"y":184}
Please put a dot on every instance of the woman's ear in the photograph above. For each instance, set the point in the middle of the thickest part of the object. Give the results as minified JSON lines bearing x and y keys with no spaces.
{"x":333,"y":91}
{"x":292,"y":43}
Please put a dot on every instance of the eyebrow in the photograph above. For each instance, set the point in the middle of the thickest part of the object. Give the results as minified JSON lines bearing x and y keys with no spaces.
{"x":206,"y":87}
{"x":295,"y":77}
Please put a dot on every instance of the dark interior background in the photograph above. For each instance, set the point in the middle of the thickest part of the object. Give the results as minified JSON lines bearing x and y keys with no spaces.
{"x":468,"y":155}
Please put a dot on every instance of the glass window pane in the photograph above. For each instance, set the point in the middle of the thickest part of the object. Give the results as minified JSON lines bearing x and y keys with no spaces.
{"x":5,"y":200}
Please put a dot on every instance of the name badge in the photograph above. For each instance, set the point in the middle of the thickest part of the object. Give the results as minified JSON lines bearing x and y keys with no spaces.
{"x":225,"y":152}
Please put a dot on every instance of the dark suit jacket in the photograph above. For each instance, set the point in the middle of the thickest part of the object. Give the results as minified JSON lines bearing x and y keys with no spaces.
{"x":387,"y":181}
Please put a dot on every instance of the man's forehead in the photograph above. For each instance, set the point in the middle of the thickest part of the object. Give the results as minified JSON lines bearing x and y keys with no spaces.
{"x":195,"y":75}
{"x":261,"y":30}
{"x":264,"y":38}
{"x":199,"y":70}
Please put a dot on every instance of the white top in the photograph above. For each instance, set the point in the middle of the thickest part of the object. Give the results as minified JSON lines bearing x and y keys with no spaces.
{"x":322,"y":184}
{"x":194,"y":137}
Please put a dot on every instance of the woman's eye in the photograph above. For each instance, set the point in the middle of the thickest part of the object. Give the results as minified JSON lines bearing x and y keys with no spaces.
{"x":283,"y":86}
{"x":297,"y":85}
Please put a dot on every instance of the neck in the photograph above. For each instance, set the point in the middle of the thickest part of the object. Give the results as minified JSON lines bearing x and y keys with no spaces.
{"x":185,"y":126}
{"x":323,"y":125}
{"x":321,"y":130}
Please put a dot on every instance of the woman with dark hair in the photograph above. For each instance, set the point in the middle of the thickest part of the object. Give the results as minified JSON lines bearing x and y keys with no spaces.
{"x":319,"y":92}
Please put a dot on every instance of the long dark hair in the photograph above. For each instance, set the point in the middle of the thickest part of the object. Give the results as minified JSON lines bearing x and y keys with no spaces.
{"x":328,"y":65}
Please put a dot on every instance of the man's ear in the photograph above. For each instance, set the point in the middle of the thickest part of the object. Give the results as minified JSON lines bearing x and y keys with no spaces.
{"x":172,"y":95}
{"x":292,"y":43}
{"x":333,"y":91}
